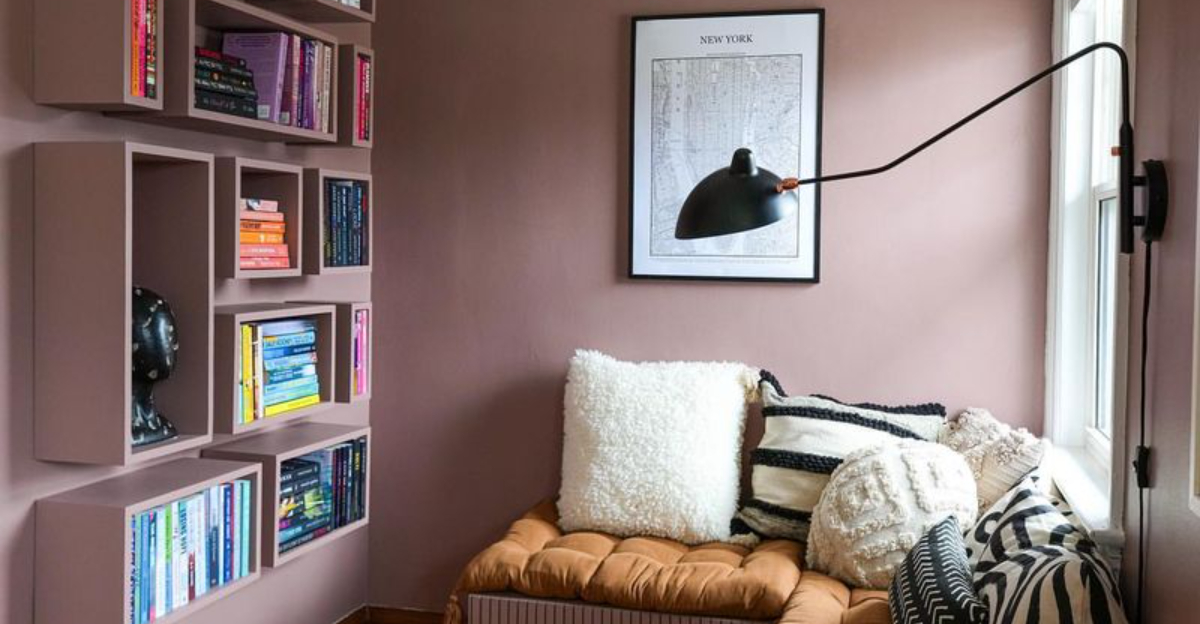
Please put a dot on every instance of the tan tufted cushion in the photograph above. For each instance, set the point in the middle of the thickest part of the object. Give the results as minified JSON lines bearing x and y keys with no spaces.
{"x":652,"y":574}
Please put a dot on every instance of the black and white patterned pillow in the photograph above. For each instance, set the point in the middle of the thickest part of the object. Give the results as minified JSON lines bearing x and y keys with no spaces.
{"x":1030,"y":564}
{"x":933,"y":585}
{"x":805,"y":439}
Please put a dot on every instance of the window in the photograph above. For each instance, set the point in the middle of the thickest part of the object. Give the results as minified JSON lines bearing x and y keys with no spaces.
{"x":1088,"y":278}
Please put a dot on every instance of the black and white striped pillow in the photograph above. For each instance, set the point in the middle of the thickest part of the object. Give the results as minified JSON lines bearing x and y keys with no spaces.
{"x":806,"y":438}
{"x":1032,"y":564}
{"x":933,"y":585}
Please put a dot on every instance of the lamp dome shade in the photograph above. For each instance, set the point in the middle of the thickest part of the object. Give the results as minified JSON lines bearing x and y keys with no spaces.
{"x":736,"y":199}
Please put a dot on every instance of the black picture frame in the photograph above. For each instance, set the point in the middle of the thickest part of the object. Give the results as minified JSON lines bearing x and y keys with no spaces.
{"x":632,"y":273}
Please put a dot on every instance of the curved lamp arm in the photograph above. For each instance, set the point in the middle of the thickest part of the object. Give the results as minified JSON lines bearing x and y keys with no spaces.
{"x":1125,"y":149}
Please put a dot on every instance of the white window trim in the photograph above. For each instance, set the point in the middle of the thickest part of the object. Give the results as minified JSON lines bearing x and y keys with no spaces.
{"x":1079,"y":470}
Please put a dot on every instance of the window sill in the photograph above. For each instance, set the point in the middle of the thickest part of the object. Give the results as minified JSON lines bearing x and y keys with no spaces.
{"x":1086,"y":486}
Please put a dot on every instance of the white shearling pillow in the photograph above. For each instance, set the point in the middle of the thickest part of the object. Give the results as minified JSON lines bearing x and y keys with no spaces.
{"x":879,"y":502}
{"x":999,"y":456}
{"x":653,"y":448}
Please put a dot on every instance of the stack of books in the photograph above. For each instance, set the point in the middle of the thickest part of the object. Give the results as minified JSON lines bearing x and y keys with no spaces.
{"x":362,"y":75}
{"x":225,"y":84}
{"x":361,"y":358}
{"x":143,"y":48}
{"x":262,"y":235}
{"x":321,"y":492}
{"x":182,"y":550}
{"x":293,"y":76}
{"x":347,"y":239}
{"x":279,"y":368}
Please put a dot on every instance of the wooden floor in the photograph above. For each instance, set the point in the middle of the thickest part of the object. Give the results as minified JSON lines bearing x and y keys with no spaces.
{"x":384,"y":615}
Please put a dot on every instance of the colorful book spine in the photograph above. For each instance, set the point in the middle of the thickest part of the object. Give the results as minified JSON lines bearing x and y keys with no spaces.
{"x":264,"y":263}
{"x":265,"y":54}
{"x":247,"y":374}
{"x":280,"y":408}
{"x":263,"y":226}
{"x":150,"y":60}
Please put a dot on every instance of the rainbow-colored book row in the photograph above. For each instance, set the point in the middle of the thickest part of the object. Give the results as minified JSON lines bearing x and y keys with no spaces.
{"x":143,"y":48}
{"x":361,"y":380}
{"x":181,"y":551}
{"x":279,"y":368}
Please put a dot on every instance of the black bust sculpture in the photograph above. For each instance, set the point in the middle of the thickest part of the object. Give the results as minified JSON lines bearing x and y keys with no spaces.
{"x":155,"y":344}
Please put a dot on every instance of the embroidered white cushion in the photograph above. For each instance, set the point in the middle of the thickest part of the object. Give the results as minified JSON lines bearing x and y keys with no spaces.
{"x":879,"y":502}
{"x":999,"y":456}
{"x":653,"y":448}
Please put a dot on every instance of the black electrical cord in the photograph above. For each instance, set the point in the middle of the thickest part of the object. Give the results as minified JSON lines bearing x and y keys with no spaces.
{"x":1141,"y":463}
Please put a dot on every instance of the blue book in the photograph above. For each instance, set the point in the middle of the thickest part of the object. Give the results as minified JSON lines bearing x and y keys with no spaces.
{"x":214,"y":510}
{"x":244,"y":525}
{"x":288,"y":326}
{"x":283,"y":352}
{"x":291,"y":361}
{"x":279,"y":386}
{"x":227,"y":530}
{"x":288,"y":374}
{"x":356,"y":239}
{"x":290,"y":340}
{"x":288,"y":394}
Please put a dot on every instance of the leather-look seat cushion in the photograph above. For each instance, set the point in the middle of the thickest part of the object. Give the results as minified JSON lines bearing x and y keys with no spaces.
{"x":652,"y":574}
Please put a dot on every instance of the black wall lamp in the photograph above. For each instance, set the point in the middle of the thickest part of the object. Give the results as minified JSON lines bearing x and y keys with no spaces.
{"x":744,"y":197}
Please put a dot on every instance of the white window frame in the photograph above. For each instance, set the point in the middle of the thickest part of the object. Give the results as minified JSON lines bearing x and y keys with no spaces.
{"x":1087,"y":466}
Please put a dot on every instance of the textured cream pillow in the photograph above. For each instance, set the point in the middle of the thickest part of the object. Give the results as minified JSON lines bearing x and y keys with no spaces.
{"x":999,"y":456}
{"x":879,"y":502}
{"x":653,"y":448}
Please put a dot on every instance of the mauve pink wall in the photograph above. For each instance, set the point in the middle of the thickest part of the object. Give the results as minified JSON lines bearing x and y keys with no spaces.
{"x":504,"y":143}
{"x":316,"y":589}
{"x":1168,"y":124}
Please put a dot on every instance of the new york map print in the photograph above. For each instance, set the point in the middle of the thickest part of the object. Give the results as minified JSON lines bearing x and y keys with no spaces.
{"x":704,"y":108}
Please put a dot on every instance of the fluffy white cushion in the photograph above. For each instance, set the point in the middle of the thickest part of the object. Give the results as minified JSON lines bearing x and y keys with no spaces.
{"x":653,"y":448}
{"x":879,"y":502}
{"x":999,"y":456}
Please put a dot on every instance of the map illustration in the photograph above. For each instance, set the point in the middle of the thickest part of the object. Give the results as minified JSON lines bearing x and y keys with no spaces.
{"x":704,"y":108}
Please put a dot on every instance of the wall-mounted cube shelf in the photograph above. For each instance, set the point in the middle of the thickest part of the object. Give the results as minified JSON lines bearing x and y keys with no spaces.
{"x":320,"y":11}
{"x":271,"y":449}
{"x":238,"y":178}
{"x":191,"y":23}
{"x":83,"y":539}
{"x":229,"y":320}
{"x":352,"y":385}
{"x":357,"y":89}
{"x":317,"y":214}
{"x":110,"y":216}
{"x":82,"y":55}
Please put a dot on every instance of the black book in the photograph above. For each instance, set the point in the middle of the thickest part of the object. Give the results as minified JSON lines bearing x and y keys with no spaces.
{"x":221,"y":103}
{"x":224,"y":67}
{"x":226,"y":88}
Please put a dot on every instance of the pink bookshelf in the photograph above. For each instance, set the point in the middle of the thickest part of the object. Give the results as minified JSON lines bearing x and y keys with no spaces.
{"x":229,"y":320}
{"x":83,"y":537}
{"x":238,"y":178}
{"x":148,"y":223}
{"x":94,"y":72}
{"x":191,"y":23}
{"x":271,"y":449}
{"x":316,"y":214}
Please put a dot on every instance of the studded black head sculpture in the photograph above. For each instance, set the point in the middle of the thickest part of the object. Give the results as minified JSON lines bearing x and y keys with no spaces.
{"x":155,"y":346}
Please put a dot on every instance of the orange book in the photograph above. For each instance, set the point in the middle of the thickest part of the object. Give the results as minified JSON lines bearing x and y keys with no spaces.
{"x":254,"y":215}
{"x":263,"y":251}
{"x":272,"y":238}
{"x":263,"y":226}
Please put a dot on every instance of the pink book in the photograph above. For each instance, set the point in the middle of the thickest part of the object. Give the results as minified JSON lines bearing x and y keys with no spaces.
{"x":266,"y":55}
{"x":265,"y":263}
{"x":260,"y":215}
{"x":262,"y":251}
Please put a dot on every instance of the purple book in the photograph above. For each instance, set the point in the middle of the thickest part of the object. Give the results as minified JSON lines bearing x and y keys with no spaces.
{"x":266,"y":55}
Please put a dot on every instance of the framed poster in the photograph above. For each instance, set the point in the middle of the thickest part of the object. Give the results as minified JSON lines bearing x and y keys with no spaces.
{"x":704,"y":86}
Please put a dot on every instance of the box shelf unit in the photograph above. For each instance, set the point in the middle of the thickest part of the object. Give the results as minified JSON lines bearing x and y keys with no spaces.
{"x":191,"y":23}
{"x":271,"y":449}
{"x":322,"y":11}
{"x":346,"y":312}
{"x":316,"y":222}
{"x":351,"y":93}
{"x":238,"y":178}
{"x":110,"y":216}
{"x":229,"y":320}
{"x":83,"y":539}
{"x":82,"y":55}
